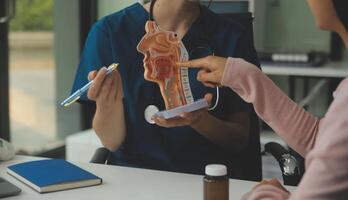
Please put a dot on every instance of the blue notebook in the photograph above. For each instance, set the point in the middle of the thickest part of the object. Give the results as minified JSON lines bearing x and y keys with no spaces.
{"x":52,"y":175}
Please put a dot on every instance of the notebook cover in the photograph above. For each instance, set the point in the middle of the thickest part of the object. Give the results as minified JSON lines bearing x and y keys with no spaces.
{"x":50,"y":172}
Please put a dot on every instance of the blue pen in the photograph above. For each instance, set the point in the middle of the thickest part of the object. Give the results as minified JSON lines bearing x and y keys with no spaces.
{"x":74,"y":97}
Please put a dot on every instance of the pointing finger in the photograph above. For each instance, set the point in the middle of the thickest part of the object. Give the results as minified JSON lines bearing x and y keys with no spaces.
{"x":197,"y":63}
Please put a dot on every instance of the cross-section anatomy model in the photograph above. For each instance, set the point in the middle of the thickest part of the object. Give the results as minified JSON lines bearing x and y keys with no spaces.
{"x":162,"y":49}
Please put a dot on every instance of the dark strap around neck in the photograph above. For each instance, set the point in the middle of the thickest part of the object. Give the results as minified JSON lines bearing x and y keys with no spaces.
{"x":152,"y":4}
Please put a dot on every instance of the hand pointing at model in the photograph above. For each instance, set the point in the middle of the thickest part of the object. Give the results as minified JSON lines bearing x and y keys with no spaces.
{"x":212,"y":69}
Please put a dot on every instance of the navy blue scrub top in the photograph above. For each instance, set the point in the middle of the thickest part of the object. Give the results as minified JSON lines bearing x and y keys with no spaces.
{"x":113,"y":39}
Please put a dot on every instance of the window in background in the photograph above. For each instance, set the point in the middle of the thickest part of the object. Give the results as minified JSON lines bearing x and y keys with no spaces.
{"x":32,"y":77}
{"x":290,"y":26}
{"x":106,"y":7}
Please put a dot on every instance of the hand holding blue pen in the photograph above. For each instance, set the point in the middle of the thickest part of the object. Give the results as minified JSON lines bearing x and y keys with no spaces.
{"x":76,"y":95}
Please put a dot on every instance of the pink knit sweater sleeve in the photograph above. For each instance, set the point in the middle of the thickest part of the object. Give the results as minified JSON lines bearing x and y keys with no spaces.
{"x":326,"y":174}
{"x":324,"y":147}
{"x":291,"y":122}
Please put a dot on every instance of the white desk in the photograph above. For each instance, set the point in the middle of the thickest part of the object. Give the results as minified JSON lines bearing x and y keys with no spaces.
{"x":329,"y":70}
{"x":129,"y":183}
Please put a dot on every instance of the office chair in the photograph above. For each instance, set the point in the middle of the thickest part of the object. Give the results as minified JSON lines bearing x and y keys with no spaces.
{"x":101,"y":156}
{"x":290,"y":163}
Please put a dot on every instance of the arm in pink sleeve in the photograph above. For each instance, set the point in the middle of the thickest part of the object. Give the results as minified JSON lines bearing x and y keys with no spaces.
{"x":326,"y":174}
{"x":297,"y":127}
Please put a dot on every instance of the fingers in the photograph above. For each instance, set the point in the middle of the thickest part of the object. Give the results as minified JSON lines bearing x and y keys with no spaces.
{"x":112,"y":93}
{"x":92,"y":75}
{"x":211,"y":85}
{"x":209,"y":98}
{"x":115,"y":90}
{"x":192,"y":117}
{"x":93,"y":91}
{"x":106,"y":90}
{"x":277,"y":184}
{"x":274,"y":182}
{"x":206,"y":83}
{"x":169,"y":123}
{"x":263,"y":182}
{"x":211,"y":69}
{"x":206,"y":77}
{"x":118,"y":85}
{"x":197,"y":63}
{"x":185,"y":119}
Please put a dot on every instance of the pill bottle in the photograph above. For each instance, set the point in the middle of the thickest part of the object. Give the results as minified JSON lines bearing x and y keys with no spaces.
{"x":216,"y":183}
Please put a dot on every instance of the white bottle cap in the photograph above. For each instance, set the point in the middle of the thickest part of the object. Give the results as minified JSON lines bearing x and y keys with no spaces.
{"x":216,"y":170}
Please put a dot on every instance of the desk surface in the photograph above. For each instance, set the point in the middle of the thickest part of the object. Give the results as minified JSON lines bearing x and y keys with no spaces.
{"x":330,"y":70}
{"x":129,"y":183}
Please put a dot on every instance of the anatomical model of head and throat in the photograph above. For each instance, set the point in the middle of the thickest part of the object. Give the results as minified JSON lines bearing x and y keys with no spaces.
{"x":162,"y":49}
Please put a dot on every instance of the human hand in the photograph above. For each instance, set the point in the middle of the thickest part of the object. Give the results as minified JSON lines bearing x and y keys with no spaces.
{"x":273,"y":182}
{"x":186,"y":118}
{"x":212,"y":69}
{"x":106,"y":90}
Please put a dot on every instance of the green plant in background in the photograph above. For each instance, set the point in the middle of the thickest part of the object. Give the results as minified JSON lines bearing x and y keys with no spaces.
{"x":33,"y":15}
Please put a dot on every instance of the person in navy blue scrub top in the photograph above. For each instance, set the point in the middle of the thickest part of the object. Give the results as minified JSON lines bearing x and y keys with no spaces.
{"x":185,"y":144}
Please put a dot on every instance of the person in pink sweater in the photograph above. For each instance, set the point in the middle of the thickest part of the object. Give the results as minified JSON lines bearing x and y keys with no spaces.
{"x":323,"y":142}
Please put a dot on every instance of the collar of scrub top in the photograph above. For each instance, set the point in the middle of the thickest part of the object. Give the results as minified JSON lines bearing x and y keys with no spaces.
{"x":152,"y":4}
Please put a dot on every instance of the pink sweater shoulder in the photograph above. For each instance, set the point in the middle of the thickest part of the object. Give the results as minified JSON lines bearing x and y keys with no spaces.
{"x":296,"y":126}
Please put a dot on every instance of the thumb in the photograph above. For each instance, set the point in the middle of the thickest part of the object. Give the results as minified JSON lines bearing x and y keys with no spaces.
{"x":209,"y":98}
